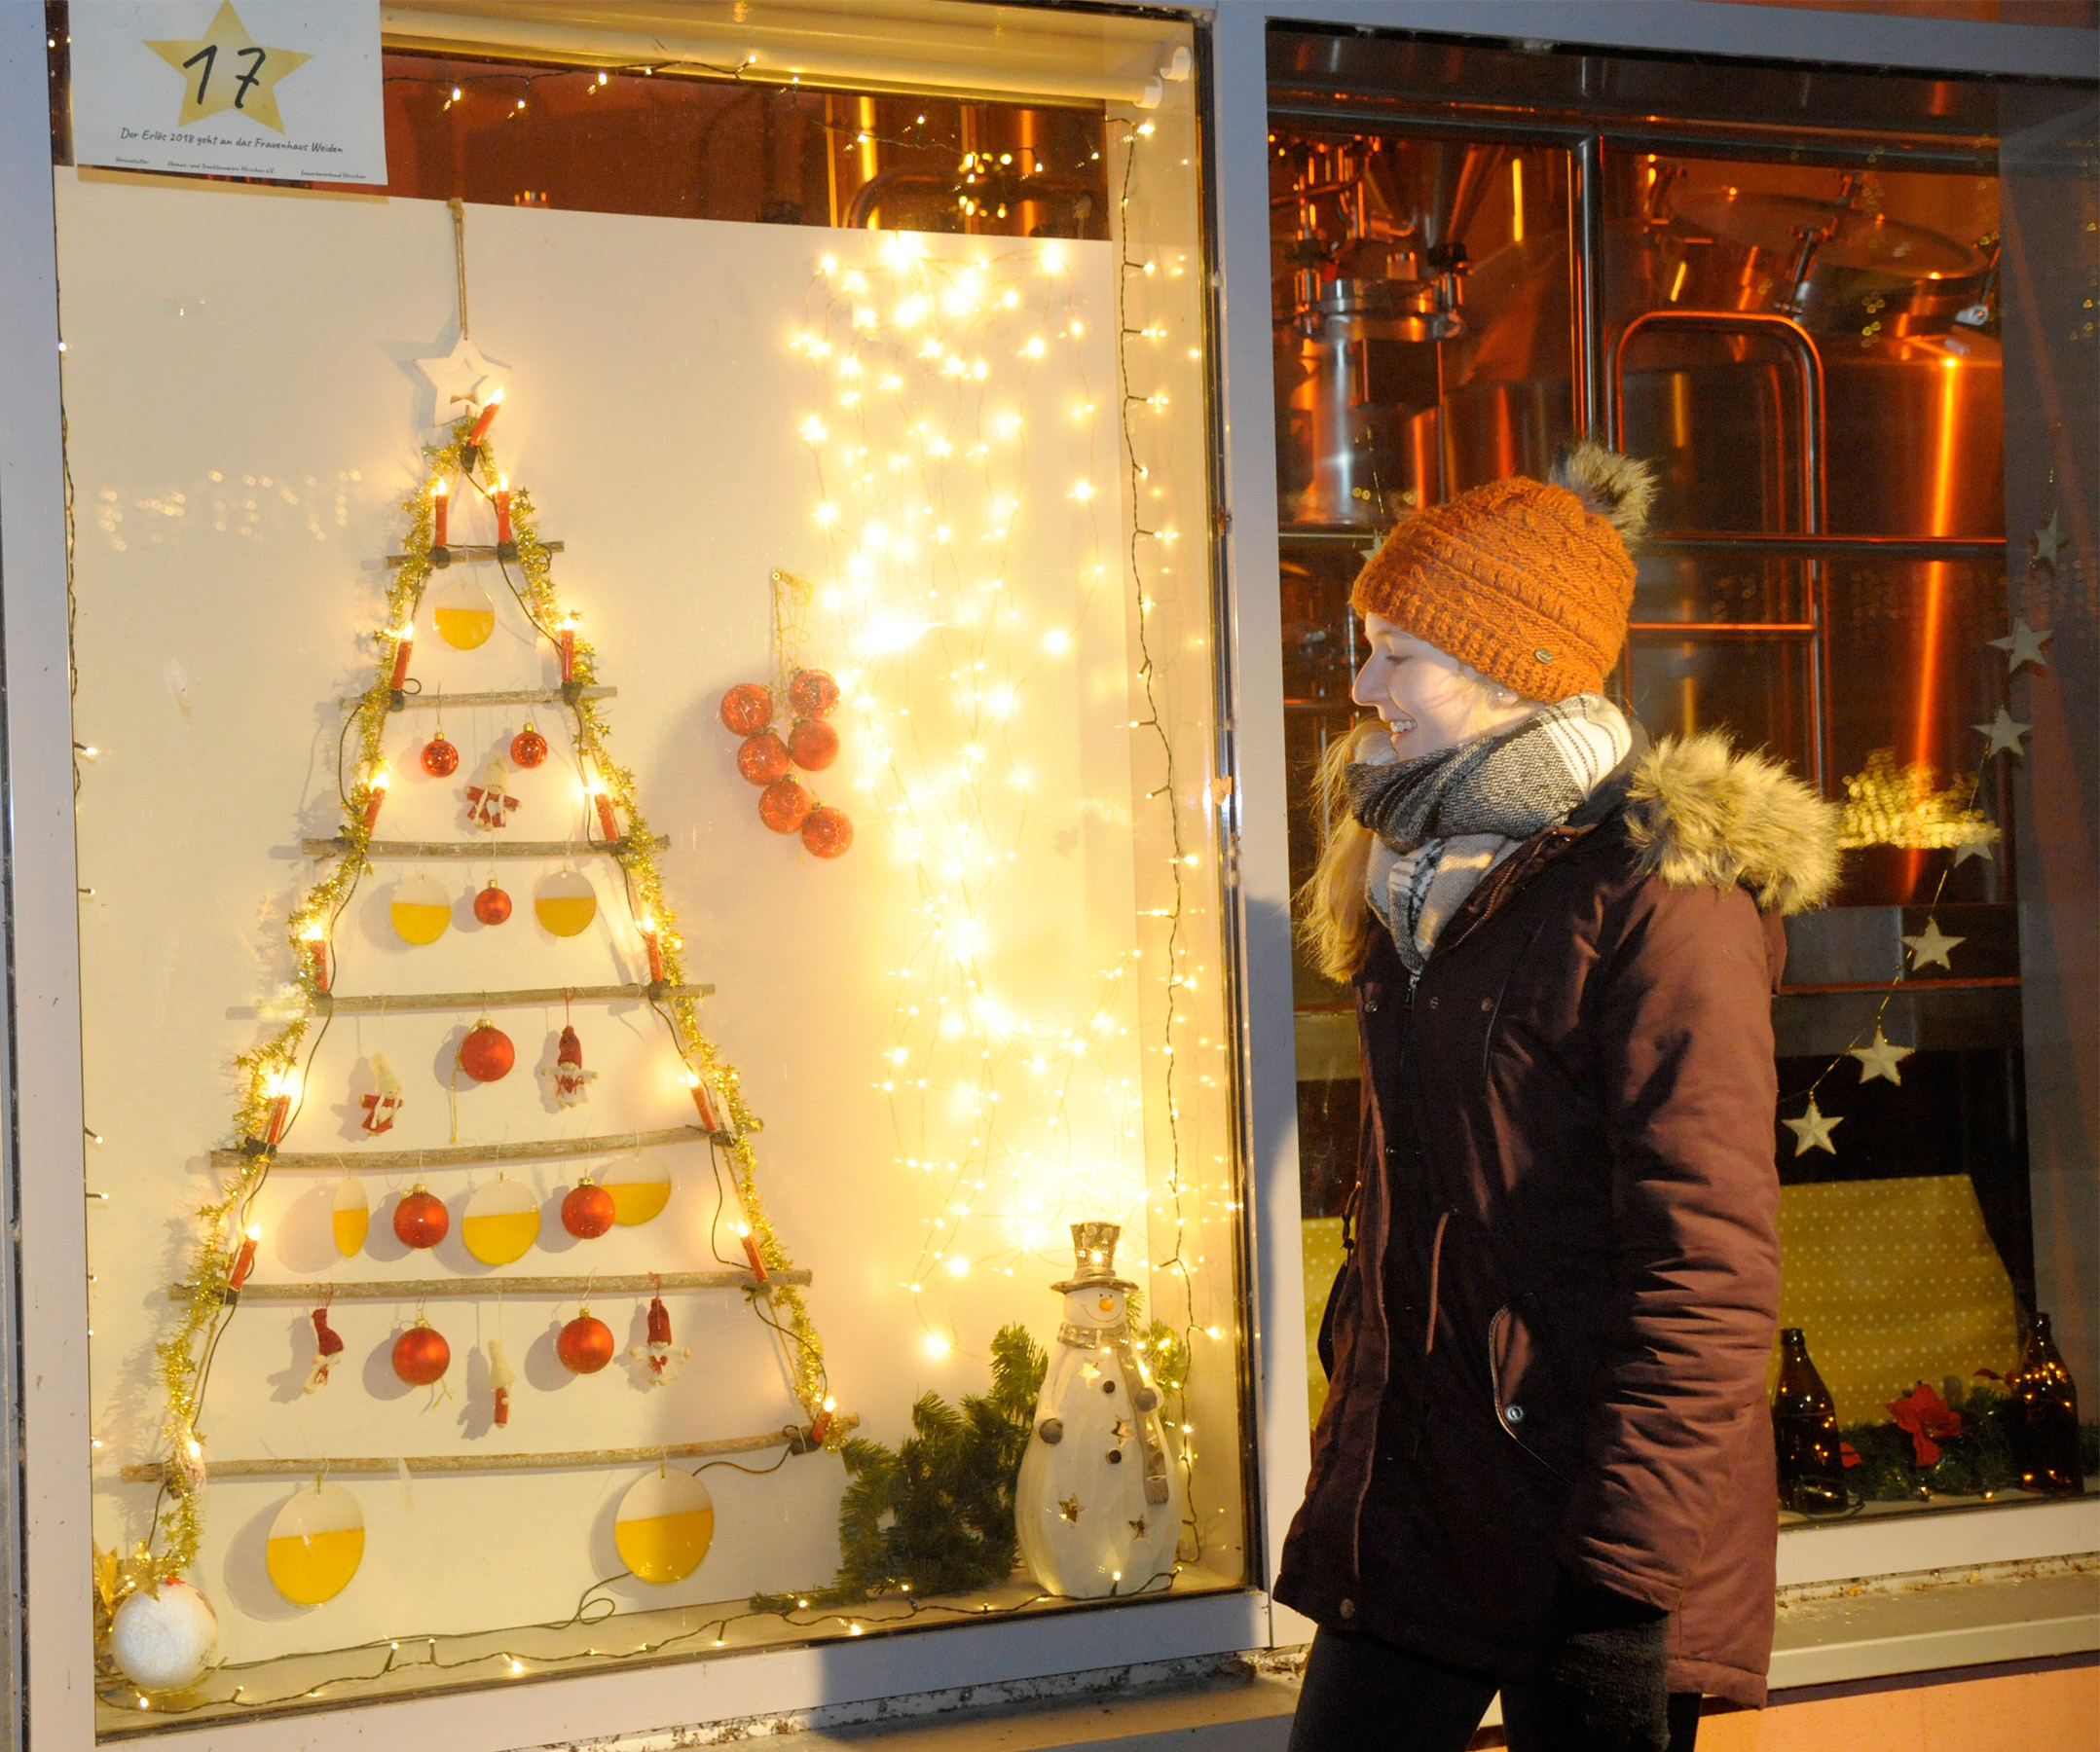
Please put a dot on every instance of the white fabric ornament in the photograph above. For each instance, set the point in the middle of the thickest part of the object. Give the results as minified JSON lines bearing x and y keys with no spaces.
{"x":384,"y":1105}
{"x":566,"y":1079}
{"x":487,"y":803}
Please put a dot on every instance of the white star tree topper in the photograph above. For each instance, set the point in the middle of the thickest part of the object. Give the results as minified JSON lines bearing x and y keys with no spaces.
{"x":463,"y":379}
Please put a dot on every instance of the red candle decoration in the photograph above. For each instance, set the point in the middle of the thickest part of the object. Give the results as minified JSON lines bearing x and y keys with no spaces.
{"x":375,"y":795}
{"x":827,"y":832}
{"x":747,"y":708}
{"x":440,"y":759}
{"x":440,"y":516}
{"x":820,"y":1427}
{"x":812,"y":693}
{"x":502,"y":511}
{"x":655,"y":948}
{"x":751,"y":1252}
{"x":784,"y":805}
{"x":404,"y":641}
{"x":491,"y":906}
{"x":585,"y":1344}
{"x":813,"y":745}
{"x":605,"y":823}
{"x":587,"y":1211}
{"x":702,"y":1100}
{"x":487,"y":1054}
{"x":419,"y":1219}
{"x":486,"y":419}
{"x":762,"y":759}
{"x":528,"y":748}
{"x":421,"y":1355}
{"x":244,"y":1259}
{"x":565,"y":633}
{"x":281,"y":1108}
{"x":314,"y":941}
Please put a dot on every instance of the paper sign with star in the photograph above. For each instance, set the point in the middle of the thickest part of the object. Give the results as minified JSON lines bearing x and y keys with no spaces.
{"x":275,"y":89}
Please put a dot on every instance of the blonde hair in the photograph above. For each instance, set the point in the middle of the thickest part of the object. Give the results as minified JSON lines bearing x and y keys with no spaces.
{"x":1334,"y":921}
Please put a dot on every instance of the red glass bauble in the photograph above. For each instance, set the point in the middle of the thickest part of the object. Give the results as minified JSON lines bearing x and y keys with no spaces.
{"x":420,"y":1219}
{"x":587,"y":1211}
{"x":491,"y":906}
{"x":420,"y":1355}
{"x":440,"y":759}
{"x":528,"y":748}
{"x":813,"y":743}
{"x":748,"y":707}
{"x":762,"y":759}
{"x":487,"y":1054}
{"x":812,"y":693}
{"x":827,"y":832}
{"x":784,"y":805}
{"x":585,"y":1344}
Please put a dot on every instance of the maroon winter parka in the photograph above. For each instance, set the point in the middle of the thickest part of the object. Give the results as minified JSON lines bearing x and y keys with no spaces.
{"x":1549,"y":1344}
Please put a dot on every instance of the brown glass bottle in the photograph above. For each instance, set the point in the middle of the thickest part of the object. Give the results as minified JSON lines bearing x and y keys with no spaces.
{"x":1804,"y":1432}
{"x":2045,"y":1420}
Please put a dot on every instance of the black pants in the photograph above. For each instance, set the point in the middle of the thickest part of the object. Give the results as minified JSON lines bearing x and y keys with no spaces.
{"x":1365,"y":1695}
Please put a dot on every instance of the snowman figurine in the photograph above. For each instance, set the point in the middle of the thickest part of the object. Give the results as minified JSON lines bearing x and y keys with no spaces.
{"x":1098,"y":1506}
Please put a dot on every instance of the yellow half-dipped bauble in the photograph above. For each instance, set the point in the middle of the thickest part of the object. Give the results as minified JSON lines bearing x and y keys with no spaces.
{"x":352,"y":1215}
{"x":422,"y":909}
{"x":566,"y":903}
{"x":316,"y":1545}
{"x":464,"y":615}
{"x":501,"y":1222}
{"x":665,"y":1525}
{"x":640,"y":1189}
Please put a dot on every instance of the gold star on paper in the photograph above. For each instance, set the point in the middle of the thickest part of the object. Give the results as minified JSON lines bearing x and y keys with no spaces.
{"x":1141,"y":1526}
{"x":1932,"y":945}
{"x":464,"y":378}
{"x":2048,"y":540}
{"x":1812,"y":1131}
{"x":228,"y":70}
{"x":1881,"y":1059}
{"x":2023,"y":644}
{"x":1070,"y":1509}
{"x":2003,"y":732}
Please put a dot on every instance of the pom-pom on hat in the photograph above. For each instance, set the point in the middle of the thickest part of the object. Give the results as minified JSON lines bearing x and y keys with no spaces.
{"x":1530,"y":582}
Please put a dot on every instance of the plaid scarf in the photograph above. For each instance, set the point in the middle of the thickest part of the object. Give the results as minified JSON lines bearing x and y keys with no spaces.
{"x":1444,"y":821}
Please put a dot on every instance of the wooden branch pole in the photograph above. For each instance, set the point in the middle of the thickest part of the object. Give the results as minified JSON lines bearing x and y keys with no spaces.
{"x":792,"y":1437}
{"x":462,"y":551}
{"x":472,"y":848}
{"x":507,"y":696}
{"x":404,"y":1290}
{"x":380,"y":1002}
{"x":466,"y":1155}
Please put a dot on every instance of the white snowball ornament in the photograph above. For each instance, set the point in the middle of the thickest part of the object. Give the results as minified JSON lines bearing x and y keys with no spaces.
{"x":164,"y":1636}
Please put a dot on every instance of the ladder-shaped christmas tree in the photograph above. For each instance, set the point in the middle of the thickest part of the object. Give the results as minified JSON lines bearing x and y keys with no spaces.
{"x":663,"y":1528}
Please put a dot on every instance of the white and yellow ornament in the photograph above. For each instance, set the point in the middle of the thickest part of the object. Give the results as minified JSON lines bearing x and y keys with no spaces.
{"x":501,"y":1222}
{"x":566,"y":903}
{"x":352,"y":1215}
{"x":640,"y":1189}
{"x":665,"y":1524}
{"x":316,"y":1545}
{"x":421,"y":910}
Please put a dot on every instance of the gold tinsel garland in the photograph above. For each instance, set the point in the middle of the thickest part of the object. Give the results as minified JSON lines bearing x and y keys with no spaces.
{"x":182,"y":1355}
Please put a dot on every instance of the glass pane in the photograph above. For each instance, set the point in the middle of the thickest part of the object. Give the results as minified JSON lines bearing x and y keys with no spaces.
{"x":1757,"y":690}
{"x":616,"y":1137}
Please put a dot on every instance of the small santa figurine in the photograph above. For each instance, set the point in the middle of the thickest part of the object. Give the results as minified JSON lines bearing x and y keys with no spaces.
{"x":327,"y":1348}
{"x":383,"y":1104}
{"x":661,"y":1357}
{"x":566,"y":1079}
{"x":489,"y":802}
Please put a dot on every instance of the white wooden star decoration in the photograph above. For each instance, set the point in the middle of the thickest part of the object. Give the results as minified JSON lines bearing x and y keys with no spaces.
{"x":1932,"y":946}
{"x":1881,"y":1059}
{"x":1812,"y":1131}
{"x":461,"y":380}
{"x":2003,"y":733}
{"x":2023,"y":644}
{"x":2049,"y":541}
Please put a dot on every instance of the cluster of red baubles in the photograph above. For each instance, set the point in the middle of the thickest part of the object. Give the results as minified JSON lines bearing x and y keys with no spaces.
{"x":441,"y":758}
{"x":768,"y":759}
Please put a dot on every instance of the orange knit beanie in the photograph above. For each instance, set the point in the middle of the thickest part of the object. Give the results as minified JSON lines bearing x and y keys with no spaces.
{"x":1530,"y":582}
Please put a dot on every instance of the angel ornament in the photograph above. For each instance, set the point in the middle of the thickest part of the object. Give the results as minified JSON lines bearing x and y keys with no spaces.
{"x":566,"y":1079}
{"x":488,"y":802}
{"x":382,"y":1105}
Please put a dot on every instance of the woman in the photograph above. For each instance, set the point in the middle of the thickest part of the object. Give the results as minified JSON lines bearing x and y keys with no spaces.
{"x":1545,"y":1463}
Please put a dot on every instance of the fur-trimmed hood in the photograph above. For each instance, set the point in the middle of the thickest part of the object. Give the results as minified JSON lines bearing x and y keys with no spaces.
{"x":1700,"y":813}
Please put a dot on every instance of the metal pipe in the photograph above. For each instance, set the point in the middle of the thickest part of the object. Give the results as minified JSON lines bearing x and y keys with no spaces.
{"x":1873,"y":547}
{"x":1586,"y":203}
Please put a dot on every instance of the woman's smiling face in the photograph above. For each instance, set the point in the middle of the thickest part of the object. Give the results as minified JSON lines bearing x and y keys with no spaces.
{"x":1427,"y":700}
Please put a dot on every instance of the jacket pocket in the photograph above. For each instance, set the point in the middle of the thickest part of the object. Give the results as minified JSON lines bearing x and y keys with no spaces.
{"x":1527,"y":1396}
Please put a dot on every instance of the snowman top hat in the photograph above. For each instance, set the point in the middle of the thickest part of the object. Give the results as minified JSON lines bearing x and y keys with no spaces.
{"x":1094,"y":1245}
